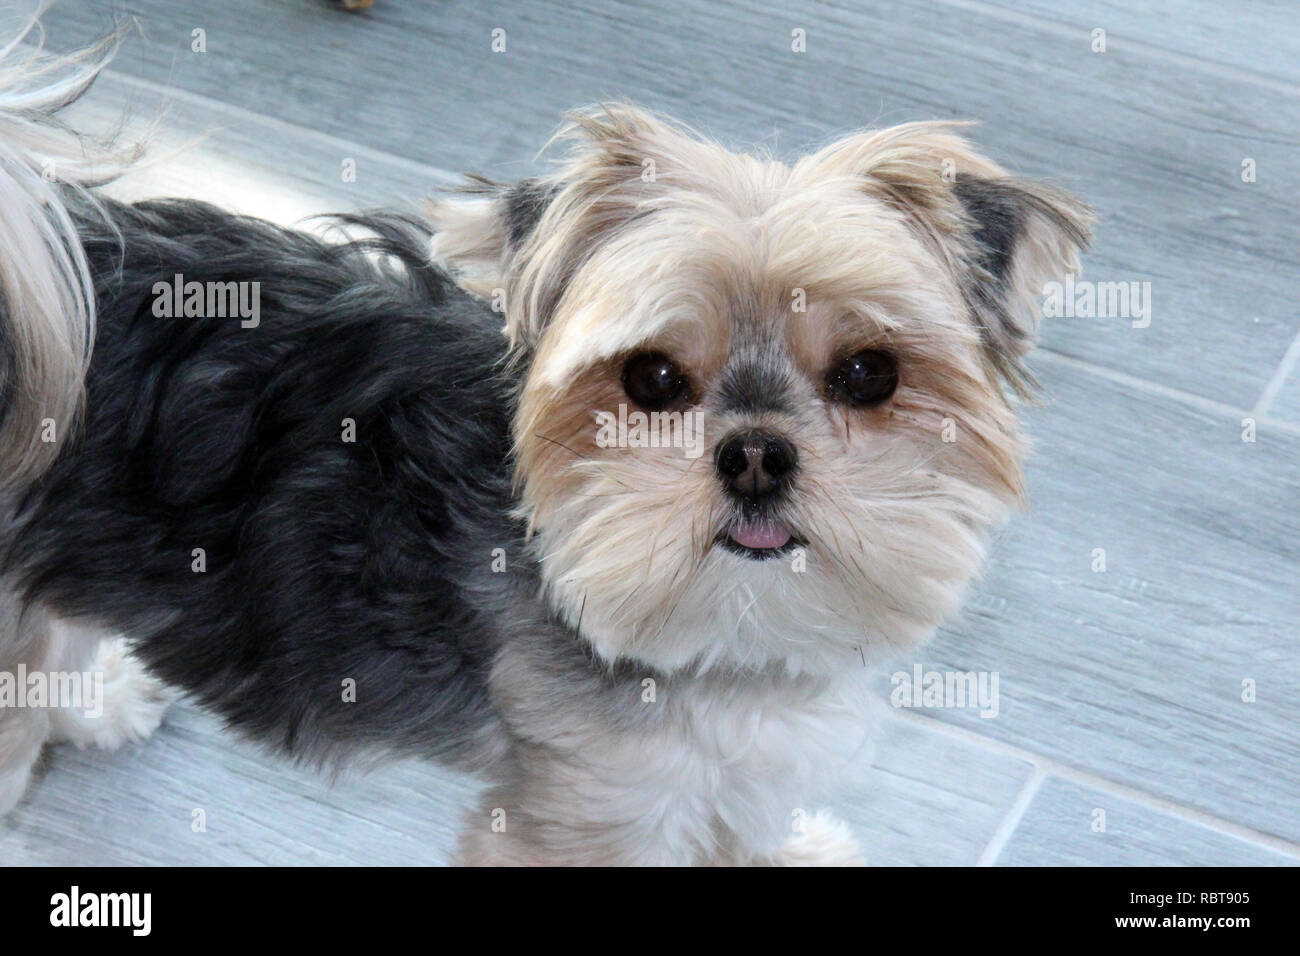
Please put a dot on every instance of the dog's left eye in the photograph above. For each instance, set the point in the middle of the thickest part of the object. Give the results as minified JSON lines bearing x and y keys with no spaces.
{"x":653,"y":380}
{"x":864,"y":378}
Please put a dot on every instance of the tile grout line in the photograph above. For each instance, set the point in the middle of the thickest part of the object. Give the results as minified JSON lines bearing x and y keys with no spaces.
{"x":1063,"y":28}
{"x":1047,"y":24}
{"x":1042,"y":766}
{"x":1009,"y":823}
{"x":1278,"y":379}
{"x":1096,"y":781}
{"x":1171,"y":393}
{"x":1011,"y":819}
{"x":169,"y":93}
{"x":1185,"y":398}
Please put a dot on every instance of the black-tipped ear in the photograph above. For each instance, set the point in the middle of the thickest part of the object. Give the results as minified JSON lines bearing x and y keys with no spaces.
{"x":529,"y":240}
{"x":1002,"y":236}
{"x":524,"y":203}
{"x":478,"y":230}
{"x":1021,"y":235}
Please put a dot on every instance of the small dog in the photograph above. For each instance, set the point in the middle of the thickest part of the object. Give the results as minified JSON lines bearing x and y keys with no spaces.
{"x":748,"y":424}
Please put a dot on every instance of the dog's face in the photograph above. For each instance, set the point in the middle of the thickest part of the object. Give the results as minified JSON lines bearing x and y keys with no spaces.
{"x":816,"y":352}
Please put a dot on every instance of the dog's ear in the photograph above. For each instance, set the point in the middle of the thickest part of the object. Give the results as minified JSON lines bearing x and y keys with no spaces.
{"x":478,"y":231}
{"x":523,"y":244}
{"x":1002,"y":238}
{"x":1021,"y":235}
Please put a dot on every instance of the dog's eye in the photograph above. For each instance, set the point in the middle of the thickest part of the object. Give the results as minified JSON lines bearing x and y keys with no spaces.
{"x":864,"y":378}
{"x":653,"y":380}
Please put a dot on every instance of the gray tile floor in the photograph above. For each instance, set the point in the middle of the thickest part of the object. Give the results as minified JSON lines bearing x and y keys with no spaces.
{"x":1121,"y":691}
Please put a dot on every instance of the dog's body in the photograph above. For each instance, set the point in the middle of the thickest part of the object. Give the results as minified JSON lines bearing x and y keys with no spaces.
{"x":326,"y":562}
{"x":295,"y":548}
{"x":370,"y":521}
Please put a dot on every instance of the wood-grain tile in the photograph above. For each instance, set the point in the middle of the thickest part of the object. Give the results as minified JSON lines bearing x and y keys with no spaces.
{"x":1156,"y":146}
{"x":1259,"y":38}
{"x":1072,"y":825}
{"x":1135,"y":674}
{"x":1139,"y":672}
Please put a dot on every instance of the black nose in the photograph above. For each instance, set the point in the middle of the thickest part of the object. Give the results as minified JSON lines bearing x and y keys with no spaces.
{"x":753,"y":463}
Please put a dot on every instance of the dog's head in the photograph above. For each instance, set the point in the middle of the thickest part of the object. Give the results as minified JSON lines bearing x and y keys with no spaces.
{"x":763,"y":414}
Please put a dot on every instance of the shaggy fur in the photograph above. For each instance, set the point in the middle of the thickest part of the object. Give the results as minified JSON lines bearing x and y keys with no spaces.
{"x":324,"y":559}
{"x":505,"y":592}
{"x":44,"y":278}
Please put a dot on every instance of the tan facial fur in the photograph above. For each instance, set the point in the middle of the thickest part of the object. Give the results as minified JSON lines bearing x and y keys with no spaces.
{"x":650,"y":238}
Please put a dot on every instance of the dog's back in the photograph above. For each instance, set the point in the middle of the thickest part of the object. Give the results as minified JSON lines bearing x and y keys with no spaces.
{"x":261,"y":492}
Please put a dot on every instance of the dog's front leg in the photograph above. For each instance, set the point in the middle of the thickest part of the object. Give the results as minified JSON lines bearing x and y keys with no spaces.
{"x":569,"y":815}
{"x":818,"y":839}
{"x":821,"y":840}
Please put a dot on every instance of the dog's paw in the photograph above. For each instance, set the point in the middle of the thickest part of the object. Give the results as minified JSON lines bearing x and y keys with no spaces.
{"x":823,"y":841}
{"x":130,"y":708}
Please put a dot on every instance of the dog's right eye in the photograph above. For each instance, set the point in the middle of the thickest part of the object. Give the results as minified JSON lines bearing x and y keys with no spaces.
{"x":653,"y":381}
{"x":864,"y":378}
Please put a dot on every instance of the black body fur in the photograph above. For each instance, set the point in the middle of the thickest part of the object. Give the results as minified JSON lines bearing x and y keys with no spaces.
{"x":325,"y":560}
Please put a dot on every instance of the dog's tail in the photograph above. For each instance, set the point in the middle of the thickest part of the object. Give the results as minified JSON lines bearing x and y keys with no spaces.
{"x":47,"y":300}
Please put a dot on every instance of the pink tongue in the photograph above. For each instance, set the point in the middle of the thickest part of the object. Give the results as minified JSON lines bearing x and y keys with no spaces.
{"x":760,"y":535}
